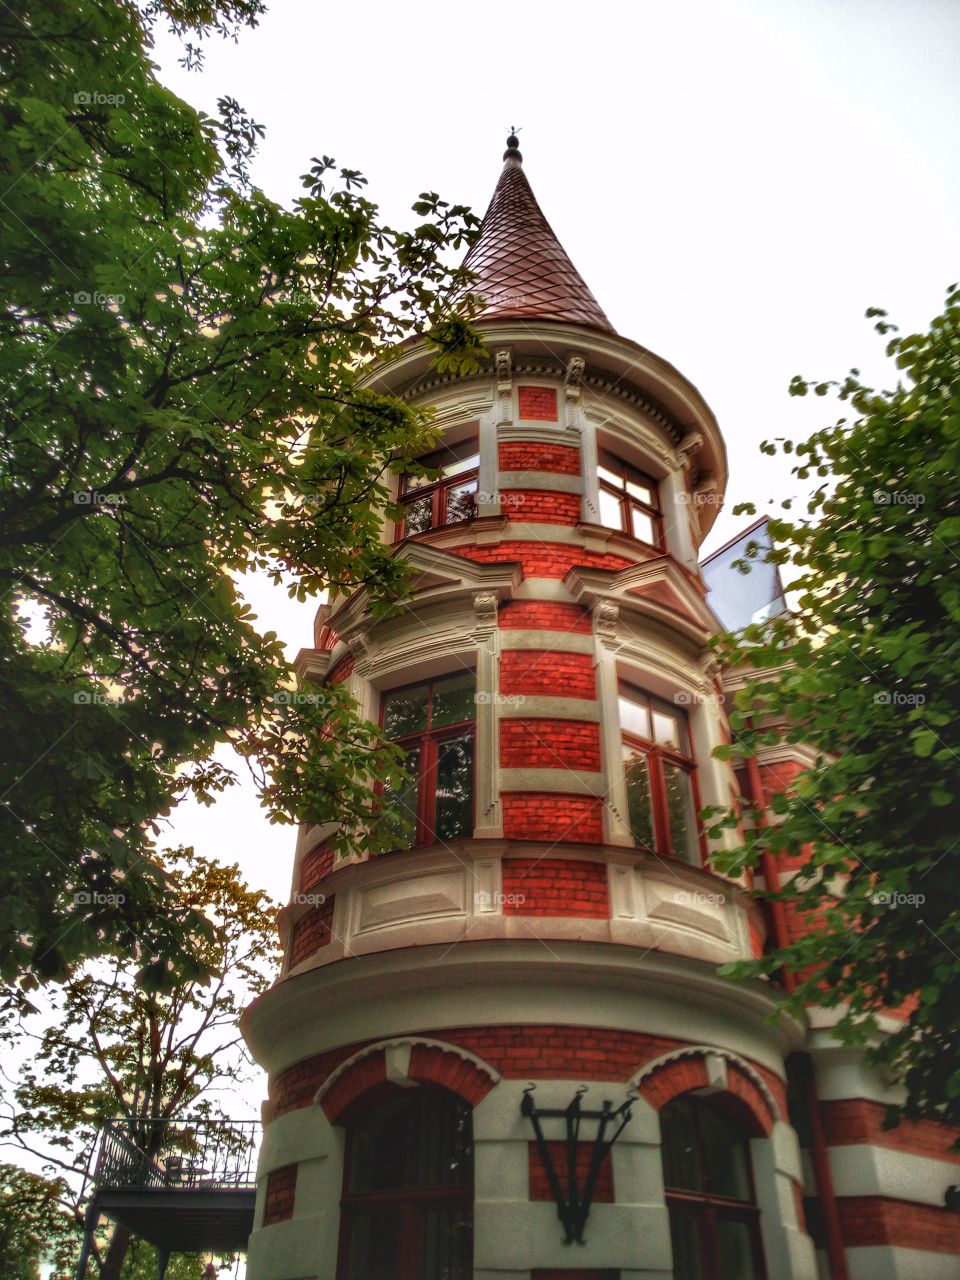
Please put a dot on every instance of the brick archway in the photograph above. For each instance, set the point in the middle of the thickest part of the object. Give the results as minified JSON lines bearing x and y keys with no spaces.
{"x":404,"y":1062}
{"x":702,"y":1068}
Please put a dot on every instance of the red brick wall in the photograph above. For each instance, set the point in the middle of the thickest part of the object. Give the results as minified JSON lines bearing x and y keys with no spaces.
{"x":540,"y":506}
{"x":542,"y":1050}
{"x":343,"y":669}
{"x":311,"y":932}
{"x":855,"y":1120}
{"x":281,"y":1191}
{"x":550,"y":744}
{"x":878,"y":1220}
{"x":539,"y":672}
{"x":540,"y":1186}
{"x":315,"y":865}
{"x":555,"y":887}
{"x":563,"y":459}
{"x":536,"y":815}
{"x":538,"y":404}
{"x":542,"y":559}
{"x":540,"y":615}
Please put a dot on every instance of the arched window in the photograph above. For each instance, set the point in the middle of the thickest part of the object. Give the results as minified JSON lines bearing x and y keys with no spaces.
{"x":407,"y":1207}
{"x":714,"y":1219}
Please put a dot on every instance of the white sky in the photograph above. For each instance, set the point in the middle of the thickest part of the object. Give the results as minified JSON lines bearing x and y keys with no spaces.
{"x":736,"y":182}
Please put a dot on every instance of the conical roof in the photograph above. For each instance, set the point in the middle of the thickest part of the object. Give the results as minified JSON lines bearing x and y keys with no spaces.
{"x":521,"y":268}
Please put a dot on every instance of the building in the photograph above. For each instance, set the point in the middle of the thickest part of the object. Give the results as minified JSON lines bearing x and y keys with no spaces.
{"x":553,"y":924}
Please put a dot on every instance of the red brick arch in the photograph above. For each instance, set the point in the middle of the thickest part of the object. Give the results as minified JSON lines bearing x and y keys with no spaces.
{"x":373,"y":1070}
{"x":685,"y":1070}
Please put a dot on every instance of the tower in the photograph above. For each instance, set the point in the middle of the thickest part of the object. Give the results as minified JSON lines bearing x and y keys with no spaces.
{"x":553,"y":923}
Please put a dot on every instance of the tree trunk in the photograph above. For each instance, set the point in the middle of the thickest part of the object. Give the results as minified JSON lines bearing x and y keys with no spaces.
{"x":113,"y":1262}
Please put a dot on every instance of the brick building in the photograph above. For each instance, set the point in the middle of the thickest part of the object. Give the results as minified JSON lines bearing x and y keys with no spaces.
{"x":552,"y":922}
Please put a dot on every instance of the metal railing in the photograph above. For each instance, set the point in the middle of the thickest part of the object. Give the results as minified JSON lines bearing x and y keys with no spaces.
{"x":178,"y":1155}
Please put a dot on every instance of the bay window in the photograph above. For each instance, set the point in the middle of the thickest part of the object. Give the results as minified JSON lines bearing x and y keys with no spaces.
{"x":629,"y":501}
{"x":445,"y":499}
{"x":661,"y":784}
{"x":434,"y":723}
{"x":714,"y":1219}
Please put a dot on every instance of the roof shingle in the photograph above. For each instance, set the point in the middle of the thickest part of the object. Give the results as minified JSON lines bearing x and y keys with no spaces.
{"x":521,"y":268}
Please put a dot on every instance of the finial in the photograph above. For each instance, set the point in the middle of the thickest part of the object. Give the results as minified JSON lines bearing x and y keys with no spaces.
{"x":513,"y":146}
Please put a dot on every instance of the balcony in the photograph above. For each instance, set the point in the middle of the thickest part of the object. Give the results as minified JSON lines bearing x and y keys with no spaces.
{"x":184,"y":1186}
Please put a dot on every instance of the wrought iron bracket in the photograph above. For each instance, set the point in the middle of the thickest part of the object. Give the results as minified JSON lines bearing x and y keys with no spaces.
{"x":573,"y":1201}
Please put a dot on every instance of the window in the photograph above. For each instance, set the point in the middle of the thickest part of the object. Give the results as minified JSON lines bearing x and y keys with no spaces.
{"x":661,"y":783}
{"x":629,"y":501}
{"x":407,"y":1207}
{"x":714,"y":1219}
{"x":433,"y":722}
{"x":446,"y":499}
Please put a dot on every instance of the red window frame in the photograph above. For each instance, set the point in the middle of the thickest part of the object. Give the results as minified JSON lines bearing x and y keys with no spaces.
{"x":629,"y":501}
{"x":656,"y":754}
{"x":412,"y":1203}
{"x":428,"y":741}
{"x":707,"y":1208}
{"x":438,"y":490}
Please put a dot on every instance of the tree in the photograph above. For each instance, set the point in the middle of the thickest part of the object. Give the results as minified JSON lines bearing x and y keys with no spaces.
{"x":105,"y":1047}
{"x":33,"y":1225}
{"x":865,"y":671}
{"x":182,"y":363}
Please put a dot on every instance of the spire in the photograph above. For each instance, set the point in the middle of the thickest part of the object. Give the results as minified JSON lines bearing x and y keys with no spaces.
{"x":521,"y":268}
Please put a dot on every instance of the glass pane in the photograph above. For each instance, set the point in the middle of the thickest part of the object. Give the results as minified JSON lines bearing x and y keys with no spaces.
{"x":453,"y":699}
{"x":643,"y":526}
{"x":405,"y":711}
{"x":417,"y":516}
{"x":446,"y":1250}
{"x":454,"y":811}
{"x":666,"y":729}
{"x":639,"y":801}
{"x":610,"y":477}
{"x":678,"y":1135}
{"x":611,"y":516}
{"x":735,"y":1248}
{"x":634,"y":718}
{"x":459,"y":465}
{"x":444,"y":1141}
{"x":460,"y":502}
{"x":640,"y":491}
{"x":400,"y":805}
{"x":379,"y":1148}
{"x":725,"y":1152}
{"x":375,"y":1244}
{"x":681,"y":814}
{"x":685,"y":1239}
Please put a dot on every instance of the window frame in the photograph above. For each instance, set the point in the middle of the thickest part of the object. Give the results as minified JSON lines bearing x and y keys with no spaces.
{"x":658,"y":753}
{"x":412,"y":1203}
{"x":428,"y":740}
{"x":438,"y":490}
{"x":707,"y":1207}
{"x":611,"y":462}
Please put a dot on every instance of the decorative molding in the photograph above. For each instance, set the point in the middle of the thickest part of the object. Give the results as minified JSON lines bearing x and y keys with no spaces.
{"x":606,"y":615}
{"x":402,"y":1042}
{"x":573,"y":374}
{"x":504,"y":362}
{"x":690,"y":444}
{"x":710,"y":1052}
{"x":485,"y":606}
